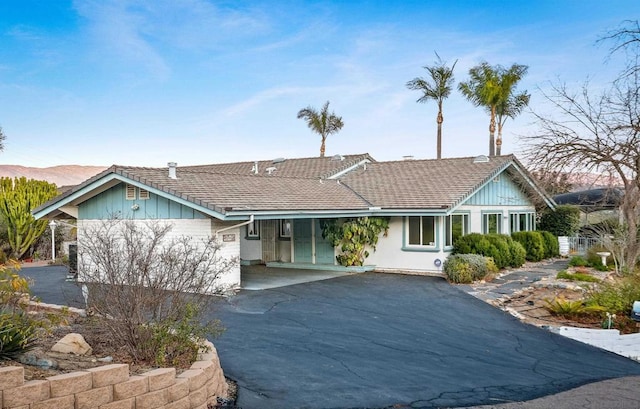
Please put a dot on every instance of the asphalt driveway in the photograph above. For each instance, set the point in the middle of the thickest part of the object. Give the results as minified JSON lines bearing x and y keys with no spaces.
{"x":380,"y":340}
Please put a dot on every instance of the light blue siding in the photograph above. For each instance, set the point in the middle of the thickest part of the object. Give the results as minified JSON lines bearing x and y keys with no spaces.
{"x":500,"y":192}
{"x":113,"y":202}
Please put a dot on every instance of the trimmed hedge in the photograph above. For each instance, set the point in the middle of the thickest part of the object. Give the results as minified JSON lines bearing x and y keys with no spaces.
{"x":563,"y":221}
{"x":504,"y":251}
{"x":533,"y":244}
{"x":552,"y":247}
{"x":467,"y":268}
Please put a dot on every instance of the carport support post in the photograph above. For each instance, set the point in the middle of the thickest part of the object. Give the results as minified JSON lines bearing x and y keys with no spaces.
{"x":52,"y":224}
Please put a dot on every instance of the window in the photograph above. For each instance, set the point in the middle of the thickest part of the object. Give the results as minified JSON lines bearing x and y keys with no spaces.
{"x":144,"y":194}
{"x":491,"y":223}
{"x":457,"y":225}
{"x":285,"y":228}
{"x":522,"y":221}
{"x":253,"y":230}
{"x":421,"y":231}
{"x":130,"y":193}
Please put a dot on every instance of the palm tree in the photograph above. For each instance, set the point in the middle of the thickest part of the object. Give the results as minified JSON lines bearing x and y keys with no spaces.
{"x":323,"y":122}
{"x":483,"y":89}
{"x":511,"y":105}
{"x":438,"y":89}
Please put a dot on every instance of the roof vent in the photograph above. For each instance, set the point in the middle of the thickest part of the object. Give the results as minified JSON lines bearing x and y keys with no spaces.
{"x":407,"y":157}
{"x":254,"y":168}
{"x":337,"y":157}
{"x":481,"y":159}
{"x":172,"y":170}
{"x":270,"y":170}
{"x":278,"y":160}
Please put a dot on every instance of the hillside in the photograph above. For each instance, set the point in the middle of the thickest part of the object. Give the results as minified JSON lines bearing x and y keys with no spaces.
{"x":64,"y":175}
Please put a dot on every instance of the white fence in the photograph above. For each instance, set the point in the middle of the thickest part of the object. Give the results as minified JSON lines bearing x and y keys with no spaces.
{"x":580,"y":245}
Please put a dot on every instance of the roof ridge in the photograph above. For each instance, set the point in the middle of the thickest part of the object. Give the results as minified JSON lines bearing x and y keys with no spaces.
{"x":272,"y":159}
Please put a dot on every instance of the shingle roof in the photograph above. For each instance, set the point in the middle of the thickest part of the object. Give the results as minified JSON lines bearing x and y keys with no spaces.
{"x":423,"y":184}
{"x":226,"y":192}
{"x":315,"y":167}
{"x":301,"y":184}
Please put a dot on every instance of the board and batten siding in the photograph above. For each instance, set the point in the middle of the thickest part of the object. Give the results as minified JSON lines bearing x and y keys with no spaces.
{"x":113,"y":202}
{"x":501,"y":191}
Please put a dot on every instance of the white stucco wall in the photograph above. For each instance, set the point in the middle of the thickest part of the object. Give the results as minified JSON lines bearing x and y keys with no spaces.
{"x":197,"y":229}
{"x":389,"y":255}
{"x":249,"y":249}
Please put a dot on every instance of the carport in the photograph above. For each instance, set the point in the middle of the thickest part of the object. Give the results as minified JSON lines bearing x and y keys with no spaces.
{"x":261,"y":277}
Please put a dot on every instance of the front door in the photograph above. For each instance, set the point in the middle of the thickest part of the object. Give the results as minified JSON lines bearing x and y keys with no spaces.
{"x":302,"y":241}
{"x":325,"y":253}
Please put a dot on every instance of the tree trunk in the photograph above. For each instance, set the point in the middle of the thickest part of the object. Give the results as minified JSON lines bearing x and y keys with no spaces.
{"x":499,"y":141}
{"x":492,"y":131}
{"x":324,"y":138}
{"x":629,"y":209}
{"x":439,"y":137}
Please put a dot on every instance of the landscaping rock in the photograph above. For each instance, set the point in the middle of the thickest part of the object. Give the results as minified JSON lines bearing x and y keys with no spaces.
{"x":72,"y":344}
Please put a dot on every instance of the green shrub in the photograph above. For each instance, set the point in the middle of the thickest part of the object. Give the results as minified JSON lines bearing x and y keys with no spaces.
{"x":466,"y":268}
{"x":18,"y":333}
{"x":616,"y":297}
{"x":578,"y":261}
{"x":568,"y":308}
{"x":551,"y":245}
{"x":563,"y":221}
{"x":577,"y":277}
{"x":176,"y":342}
{"x":500,"y":247}
{"x":532,"y":242}
{"x":518,"y":253}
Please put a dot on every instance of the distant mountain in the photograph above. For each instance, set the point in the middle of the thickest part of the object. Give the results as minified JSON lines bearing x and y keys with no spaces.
{"x":64,"y":175}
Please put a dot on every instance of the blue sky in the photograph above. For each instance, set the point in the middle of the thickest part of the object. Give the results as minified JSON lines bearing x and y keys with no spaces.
{"x":100,"y":82}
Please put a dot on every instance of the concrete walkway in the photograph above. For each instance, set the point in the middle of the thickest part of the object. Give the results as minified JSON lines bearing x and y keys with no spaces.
{"x":259,"y":277}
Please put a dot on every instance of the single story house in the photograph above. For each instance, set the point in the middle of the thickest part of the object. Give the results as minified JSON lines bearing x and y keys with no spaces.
{"x":271,"y":211}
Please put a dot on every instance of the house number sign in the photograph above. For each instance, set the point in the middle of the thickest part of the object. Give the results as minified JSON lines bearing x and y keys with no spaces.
{"x":228,"y":237}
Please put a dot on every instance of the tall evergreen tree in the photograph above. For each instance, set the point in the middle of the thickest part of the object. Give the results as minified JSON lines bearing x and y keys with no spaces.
{"x":483,"y":89}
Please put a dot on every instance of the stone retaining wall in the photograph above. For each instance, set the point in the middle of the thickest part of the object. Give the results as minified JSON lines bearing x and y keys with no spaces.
{"x":111,"y":387}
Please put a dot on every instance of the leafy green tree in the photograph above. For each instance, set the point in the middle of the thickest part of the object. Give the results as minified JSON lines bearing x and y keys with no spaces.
{"x":511,"y":103}
{"x":438,"y":88}
{"x":18,"y":197}
{"x":322,"y":122}
{"x":564,"y":220}
{"x":483,"y":89}
{"x":493,"y":87}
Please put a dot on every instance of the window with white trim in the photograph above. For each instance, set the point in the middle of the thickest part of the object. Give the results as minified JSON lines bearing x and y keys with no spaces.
{"x":285,"y":228}
{"x":421,"y":231}
{"x":522,"y":221}
{"x":130,"y":193}
{"x":253,"y":230}
{"x":456,"y":225}
{"x":143,"y":194}
{"x":492,"y":223}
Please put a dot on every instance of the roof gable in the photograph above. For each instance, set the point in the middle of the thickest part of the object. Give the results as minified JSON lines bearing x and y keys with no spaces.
{"x":425,"y":184}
